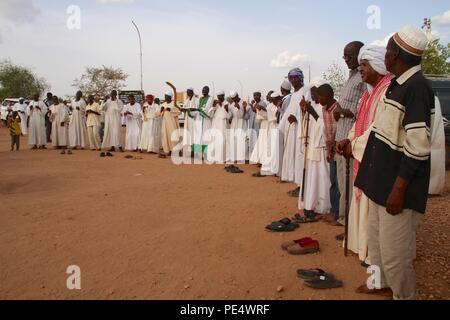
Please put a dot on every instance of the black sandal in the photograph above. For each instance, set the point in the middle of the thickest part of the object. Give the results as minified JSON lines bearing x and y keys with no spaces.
{"x":324,"y":282}
{"x":311,"y":274}
{"x":284,"y":225}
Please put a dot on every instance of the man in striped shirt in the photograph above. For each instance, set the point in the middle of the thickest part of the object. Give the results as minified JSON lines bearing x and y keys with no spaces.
{"x":345,"y":116}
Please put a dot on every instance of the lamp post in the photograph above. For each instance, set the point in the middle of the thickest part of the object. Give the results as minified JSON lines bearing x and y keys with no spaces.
{"x":140,"y":50}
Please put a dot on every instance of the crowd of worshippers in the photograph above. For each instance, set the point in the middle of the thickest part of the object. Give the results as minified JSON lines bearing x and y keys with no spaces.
{"x":379,"y":135}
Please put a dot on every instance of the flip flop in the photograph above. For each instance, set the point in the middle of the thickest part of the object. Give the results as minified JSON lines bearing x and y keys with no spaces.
{"x":324,"y":282}
{"x":102,"y":155}
{"x":109,"y":154}
{"x":312,"y":274}
{"x":235,"y":170}
{"x":258,"y":175}
{"x":304,"y":220}
{"x":284,"y":225}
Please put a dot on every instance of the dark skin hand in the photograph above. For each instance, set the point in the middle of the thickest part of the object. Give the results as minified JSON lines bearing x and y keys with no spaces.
{"x":396,"y":200}
{"x":292,"y":119}
{"x":344,"y":148}
{"x":347,"y":113}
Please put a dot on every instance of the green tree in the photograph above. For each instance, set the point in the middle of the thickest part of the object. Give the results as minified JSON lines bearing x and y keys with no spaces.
{"x":436,"y":59}
{"x":335,"y":76}
{"x":100,"y":81}
{"x":17,"y":81}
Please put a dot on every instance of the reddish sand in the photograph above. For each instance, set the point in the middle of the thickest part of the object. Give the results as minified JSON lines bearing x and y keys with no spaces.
{"x":147,"y":229}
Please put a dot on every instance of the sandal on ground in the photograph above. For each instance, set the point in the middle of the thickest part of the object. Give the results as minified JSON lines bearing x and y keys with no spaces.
{"x":102,"y":155}
{"x":258,"y":175}
{"x":312,"y":274}
{"x":307,"y":219}
{"x":235,"y":170}
{"x":109,"y":154}
{"x":312,"y":247}
{"x":340,"y":237}
{"x":63,"y":152}
{"x":284,"y":225}
{"x":324,"y":282}
{"x":301,"y":242}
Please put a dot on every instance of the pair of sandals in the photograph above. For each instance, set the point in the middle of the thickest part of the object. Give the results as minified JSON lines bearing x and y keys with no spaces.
{"x":69,"y":152}
{"x":319,"y":279}
{"x":233,"y":169}
{"x":302,"y":246}
{"x":310,"y":217}
{"x":284,"y":225}
{"x":258,"y":175}
{"x":106,"y":154}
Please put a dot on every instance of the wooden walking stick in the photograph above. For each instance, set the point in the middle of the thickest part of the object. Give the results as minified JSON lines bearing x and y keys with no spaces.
{"x":347,"y":204}
{"x":306,"y":156}
{"x":306,"y":153}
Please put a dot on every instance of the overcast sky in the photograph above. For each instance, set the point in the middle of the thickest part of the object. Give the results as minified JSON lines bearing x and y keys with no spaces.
{"x":196,"y":43}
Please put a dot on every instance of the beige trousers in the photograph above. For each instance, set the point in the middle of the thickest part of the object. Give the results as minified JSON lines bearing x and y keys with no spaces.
{"x":94,"y":137}
{"x":392,"y":247}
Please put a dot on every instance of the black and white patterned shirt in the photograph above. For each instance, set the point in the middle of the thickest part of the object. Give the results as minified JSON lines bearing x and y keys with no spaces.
{"x":349,"y":99}
{"x":400,"y":142}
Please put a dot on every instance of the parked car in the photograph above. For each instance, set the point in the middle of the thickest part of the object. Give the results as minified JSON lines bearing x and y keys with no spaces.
{"x":441,"y":87}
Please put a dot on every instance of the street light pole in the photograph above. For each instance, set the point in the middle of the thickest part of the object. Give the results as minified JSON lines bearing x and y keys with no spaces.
{"x":140,"y":50}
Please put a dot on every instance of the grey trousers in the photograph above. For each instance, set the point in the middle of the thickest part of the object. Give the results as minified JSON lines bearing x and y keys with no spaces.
{"x":392,"y":247}
{"x":341,"y":175}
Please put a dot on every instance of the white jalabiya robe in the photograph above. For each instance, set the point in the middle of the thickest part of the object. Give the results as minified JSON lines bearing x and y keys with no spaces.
{"x":189,"y":123}
{"x":60,"y":134}
{"x":36,"y":129}
{"x":260,"y":151}
{"x":277,"y":159}
{"x":170,"y":126}
{"x":236,"y":141}
{"x":77,"y":125}
{"x":437,"y":179}
{"x":203,"y":124}
{"x":156,"y":146}
{"x":22,"y":110}
{"x":148,"y":115}
{"x":133,"y":123}
{"x":113,"y":124}
{"x":254,"y":126}
{"x":293,"y":161}
{"x":317,"y":180}
{"x":217,"y":150}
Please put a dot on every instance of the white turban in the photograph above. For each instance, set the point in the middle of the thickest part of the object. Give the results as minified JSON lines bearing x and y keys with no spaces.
{"x":275,"y":95}
{"x":233,"y":94}
{"x":190,"y":89}
{"x":221,"y":93}
{"x":286,"y":85}
{"x":169,"y":94}
{"x":376,"y":56}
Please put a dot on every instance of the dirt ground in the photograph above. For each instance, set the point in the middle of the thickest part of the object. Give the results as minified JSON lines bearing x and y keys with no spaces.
{"x":146,"y":229}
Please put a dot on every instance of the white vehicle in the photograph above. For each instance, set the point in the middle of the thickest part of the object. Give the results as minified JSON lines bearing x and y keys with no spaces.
{"x":7,"y":105}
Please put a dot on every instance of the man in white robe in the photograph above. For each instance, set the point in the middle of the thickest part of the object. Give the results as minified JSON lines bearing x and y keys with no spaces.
{"x":219,"y":130}
{"x":59,"y":116}
{"x":277,"y":159}
{"x":378,"y":79}
{"x":190,"y":106}
{"x":21,"y":108}
{"x":148,"y":122}
{"x":315,"y":194}
{"x":292,"y":164}
{"x":236,"y":141}
{"x":202,"y":124}
{"x":254,"y":121}
{"x":77,"y":125}
{"x":170,"y":136}
{"x":133,"y":114}
{"x":113,"y":123}
{"x":36,"y":111}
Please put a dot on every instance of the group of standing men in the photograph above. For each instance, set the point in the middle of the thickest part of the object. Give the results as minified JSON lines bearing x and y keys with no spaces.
{"x":380,"y":129}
